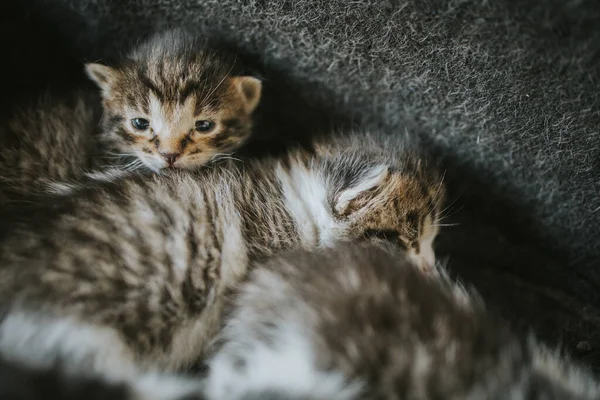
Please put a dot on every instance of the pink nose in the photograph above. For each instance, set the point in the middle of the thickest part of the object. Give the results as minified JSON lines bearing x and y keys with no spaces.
{"x":170,"y":157}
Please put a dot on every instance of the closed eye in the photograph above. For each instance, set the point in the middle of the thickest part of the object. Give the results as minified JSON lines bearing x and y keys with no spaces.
{"x":388,"y":235}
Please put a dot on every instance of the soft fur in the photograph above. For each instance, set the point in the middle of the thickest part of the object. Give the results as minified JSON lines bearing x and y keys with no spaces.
{"x":53,"y":138}
{"x":22,"y":382}
{"x":173,"y":84}
{"x":358,"y":322}
{"x":130,"y":272}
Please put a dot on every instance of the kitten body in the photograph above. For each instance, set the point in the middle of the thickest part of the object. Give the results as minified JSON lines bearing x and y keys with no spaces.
{"x":172,"y":102}
{"x":357,"y":322}
{"x":132,"y":272}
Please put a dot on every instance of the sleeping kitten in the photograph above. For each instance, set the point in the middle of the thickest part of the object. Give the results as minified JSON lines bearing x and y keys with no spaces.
{"x":358,"y":322}
{"x":132,"y":273}
{"x":174,"y":103}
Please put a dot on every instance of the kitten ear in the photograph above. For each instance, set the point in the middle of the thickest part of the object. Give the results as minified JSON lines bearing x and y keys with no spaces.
{"x":250,"y":89}
{"x":350,"y":199}
{"x":102,"y":75}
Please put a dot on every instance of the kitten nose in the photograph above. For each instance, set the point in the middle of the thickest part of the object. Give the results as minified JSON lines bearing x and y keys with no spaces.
{"x":170,"y":157}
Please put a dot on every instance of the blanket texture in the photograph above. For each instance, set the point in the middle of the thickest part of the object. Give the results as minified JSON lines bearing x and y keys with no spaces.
{"x":506,"y":92}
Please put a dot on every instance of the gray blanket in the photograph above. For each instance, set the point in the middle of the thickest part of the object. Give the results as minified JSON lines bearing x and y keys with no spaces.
{"x":506,"y":92}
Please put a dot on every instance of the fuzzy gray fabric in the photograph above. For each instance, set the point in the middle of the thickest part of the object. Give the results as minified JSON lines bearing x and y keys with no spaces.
{"x":507,"y":92}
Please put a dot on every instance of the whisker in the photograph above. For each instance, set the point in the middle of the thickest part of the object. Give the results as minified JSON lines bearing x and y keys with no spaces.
{"x":440,"y":225}
{"x":437,"y":191}
{"x":453,"y":212}
{"x":118,"y":154}
{"x":449,"y":206}
{"x":219,"y":84}
{"x":111,"y":157}
{"x":223,"y":156}
{"x":133,"y":165}
{"x":226,"y":157}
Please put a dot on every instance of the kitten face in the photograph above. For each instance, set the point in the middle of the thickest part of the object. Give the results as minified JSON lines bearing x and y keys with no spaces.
{"x":177,"y":113}
{"x":391,"y":206}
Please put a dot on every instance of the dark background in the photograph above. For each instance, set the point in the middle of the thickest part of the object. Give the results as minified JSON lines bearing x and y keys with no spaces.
{"x":505,"y":93}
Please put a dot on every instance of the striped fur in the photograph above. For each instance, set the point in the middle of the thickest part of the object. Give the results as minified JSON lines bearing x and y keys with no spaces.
{"x":173,"y":81}
{"x":358,"y":322}
{"x":131,"y":272}
{"x":53,"y":138}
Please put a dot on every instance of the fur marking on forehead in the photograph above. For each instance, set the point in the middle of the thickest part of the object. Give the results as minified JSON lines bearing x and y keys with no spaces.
{"x":170,"y":118}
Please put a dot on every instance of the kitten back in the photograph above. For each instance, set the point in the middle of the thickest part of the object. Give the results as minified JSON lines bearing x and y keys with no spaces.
{"x":362,"y":322}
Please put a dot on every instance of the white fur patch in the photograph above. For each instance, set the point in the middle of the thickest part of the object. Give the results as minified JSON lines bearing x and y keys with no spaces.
{"x":39,"y":341}
{"x":287,"y":367}
{"x":164,"y":387}
{"x":59,"y":188}
{"x":305,"y":197}
{"x":562,"y":373}
{"x":234,"y":255}
{"x":84,"y":351}
{"x":425,"y":259}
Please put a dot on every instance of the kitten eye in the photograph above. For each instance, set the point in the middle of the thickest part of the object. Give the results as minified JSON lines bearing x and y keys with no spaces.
{"x":388,"y":235}
{"x":204,"y":126}
{"x":140,"y":124}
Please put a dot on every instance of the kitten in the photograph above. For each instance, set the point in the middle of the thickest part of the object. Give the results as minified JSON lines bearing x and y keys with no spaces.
{"x":174,"y":103}
{"x":358,"y":322}
{"x":132,"y":273}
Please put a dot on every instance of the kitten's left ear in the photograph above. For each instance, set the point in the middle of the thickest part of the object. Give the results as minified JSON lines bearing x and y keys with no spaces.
{"x":356,"y":197}
{"x":250,"y":89}
{"x":102,"y":75}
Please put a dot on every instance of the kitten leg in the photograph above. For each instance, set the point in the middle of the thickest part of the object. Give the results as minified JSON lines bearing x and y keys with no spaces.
{"x":39,"y":340}
{"x":21,"y":382}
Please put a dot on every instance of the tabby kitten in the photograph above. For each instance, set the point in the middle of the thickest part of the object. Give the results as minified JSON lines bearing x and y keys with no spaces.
{"x":361,"y":323}
{"x":132,"y":273}
{"x":174,"y":103}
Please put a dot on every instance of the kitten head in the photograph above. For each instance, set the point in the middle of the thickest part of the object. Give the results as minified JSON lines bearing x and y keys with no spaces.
{"x":173,"y":103}
{"x":384,"y":203}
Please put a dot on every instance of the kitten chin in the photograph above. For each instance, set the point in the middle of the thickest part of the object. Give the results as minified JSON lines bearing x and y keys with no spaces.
{"x":174,"y":103}
{"x":360,"y":322}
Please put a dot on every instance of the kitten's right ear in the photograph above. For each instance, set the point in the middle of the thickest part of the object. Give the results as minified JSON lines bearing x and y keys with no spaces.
{"x":250,"y":89}
{"x":102,"y":75}
{"x":361,"y":192}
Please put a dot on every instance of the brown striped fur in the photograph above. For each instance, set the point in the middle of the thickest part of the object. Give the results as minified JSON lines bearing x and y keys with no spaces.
{"x":359,"y":322}
{"x":131,"y":271}
{"x":53,"y":138}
